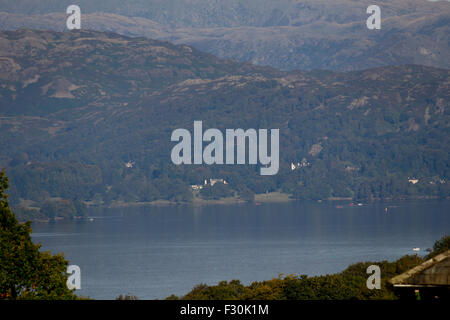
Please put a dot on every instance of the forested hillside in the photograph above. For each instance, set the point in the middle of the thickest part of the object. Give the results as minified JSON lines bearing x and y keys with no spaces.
{"x":87,"y":116}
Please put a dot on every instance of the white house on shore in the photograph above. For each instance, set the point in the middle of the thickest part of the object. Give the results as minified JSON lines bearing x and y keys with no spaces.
{"x":214,"y":181}
{"x":211,"y":183}
{"x":129,"y":164}
{"x":304,"y":163}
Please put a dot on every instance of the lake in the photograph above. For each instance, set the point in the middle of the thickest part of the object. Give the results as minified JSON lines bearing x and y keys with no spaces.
{"x":152,"y":252}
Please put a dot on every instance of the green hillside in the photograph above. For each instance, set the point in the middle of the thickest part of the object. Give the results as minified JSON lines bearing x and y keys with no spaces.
{"x":76,"y":107}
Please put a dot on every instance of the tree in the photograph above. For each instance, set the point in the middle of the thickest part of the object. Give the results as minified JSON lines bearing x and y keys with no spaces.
{"x":25,"y":272}
{"x":440,"y":246}
{"x":246,"y":194}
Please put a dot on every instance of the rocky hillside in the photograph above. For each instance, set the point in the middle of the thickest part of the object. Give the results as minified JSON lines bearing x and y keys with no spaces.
{"x":287,"y":34}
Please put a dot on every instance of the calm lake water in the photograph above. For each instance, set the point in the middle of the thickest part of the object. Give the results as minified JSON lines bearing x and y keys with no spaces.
{"x":153,"y":252}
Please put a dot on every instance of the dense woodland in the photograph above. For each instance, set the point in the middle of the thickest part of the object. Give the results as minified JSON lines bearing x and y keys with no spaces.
{"x":85,"y":104}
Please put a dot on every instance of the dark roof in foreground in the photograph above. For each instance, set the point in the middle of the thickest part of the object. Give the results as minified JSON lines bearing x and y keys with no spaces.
{"x":433,"y":272}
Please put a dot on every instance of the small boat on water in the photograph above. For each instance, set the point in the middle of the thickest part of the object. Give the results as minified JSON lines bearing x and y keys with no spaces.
{"x":91,"y":219}
{"x":416,"y":249}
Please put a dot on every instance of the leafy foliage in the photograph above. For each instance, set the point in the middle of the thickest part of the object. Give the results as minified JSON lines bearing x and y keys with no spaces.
{"x":440,"y":246}
{"x":25,"y":272}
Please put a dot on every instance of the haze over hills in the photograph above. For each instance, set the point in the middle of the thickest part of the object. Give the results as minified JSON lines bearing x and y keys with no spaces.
{"x":288,"y":34}
{"x":77,"y":107}
{"x":230,"y":13}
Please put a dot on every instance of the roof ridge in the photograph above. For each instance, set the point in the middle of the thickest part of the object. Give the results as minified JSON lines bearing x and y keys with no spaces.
{"x":421,"y":267}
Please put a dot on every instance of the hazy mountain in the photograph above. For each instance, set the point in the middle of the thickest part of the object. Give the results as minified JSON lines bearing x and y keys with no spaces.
{"x":288,"y":34}
{"x":232,"y":13}
{"x":75,"y":107}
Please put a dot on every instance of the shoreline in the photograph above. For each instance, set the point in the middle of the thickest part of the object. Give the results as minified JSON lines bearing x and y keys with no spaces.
{"x":273,"y":197}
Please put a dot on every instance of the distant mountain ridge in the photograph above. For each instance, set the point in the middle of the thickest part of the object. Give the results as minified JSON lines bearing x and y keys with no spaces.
{"x":231,"y":13}
{"x":284,"y":34}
